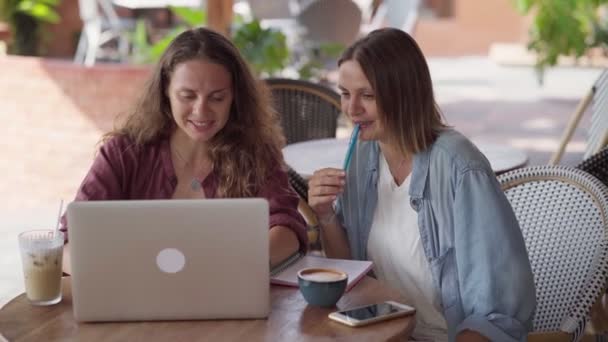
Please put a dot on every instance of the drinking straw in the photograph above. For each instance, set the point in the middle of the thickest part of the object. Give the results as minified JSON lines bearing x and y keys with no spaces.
{"x":351,"y":146}
{"x":59,"y":216}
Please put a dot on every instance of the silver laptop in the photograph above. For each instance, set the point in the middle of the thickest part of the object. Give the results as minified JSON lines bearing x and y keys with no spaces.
{"x":169,"y":259}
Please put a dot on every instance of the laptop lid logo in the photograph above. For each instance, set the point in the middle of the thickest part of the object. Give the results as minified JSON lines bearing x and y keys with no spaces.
{"x":170,"y":260}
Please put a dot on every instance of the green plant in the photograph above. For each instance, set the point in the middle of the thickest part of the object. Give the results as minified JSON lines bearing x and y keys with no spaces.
{"x":144,"y":52}
{"x":26,"y":18}
{"x":564,"y":28}
{"x":313,"y":64}
{"x":265,"y":49}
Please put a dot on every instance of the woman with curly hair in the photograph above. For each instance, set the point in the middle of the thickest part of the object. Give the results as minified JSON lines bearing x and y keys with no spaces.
{"x":203,"y":128}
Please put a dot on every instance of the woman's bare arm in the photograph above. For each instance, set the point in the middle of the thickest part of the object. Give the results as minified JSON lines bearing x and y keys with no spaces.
{"x":283,"y":243}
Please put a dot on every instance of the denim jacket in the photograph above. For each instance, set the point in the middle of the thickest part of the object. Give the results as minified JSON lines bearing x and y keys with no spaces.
{"x":468,"y":230}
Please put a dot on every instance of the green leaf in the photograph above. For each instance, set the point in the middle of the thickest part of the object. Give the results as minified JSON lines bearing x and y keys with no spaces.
{"x":51,"y":3}
{"x":264,"y":49}
{"x":140,"y":45}
{"x":332,"y":50}
{"x":564,"y":28}
{"x":38,"y":11}
{"x":308,"y":70}
{"x":191,"y":16}
{"x":238,"y":19}
{"x":523,"y":6}
{"x":159,"y":47}
{"x":140,"y":35}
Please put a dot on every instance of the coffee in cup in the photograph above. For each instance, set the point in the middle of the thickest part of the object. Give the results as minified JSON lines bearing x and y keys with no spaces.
{"x":41,"y":256}
{"x":322,"y":286}
{"x":323,"y":275}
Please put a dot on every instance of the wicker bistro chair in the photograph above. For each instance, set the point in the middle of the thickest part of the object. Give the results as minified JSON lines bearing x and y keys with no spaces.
{"x":298,"y":183}
{"x":300,"y":186}
{"x":307,"y":110}
{"x":597,"y":165}
{"x":562,"y":213}
{"x":597,"y":138}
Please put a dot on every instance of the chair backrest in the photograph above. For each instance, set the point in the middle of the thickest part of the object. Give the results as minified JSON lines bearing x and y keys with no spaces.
{"x":307,"y":110}
{"x":298,"y":183}
{"x":562,"y":214}
{"x":599,"y":118}
{"x":335,"y":21}
{"x":97,"y":9}
{"x":598,"y":132}
{"x":597,"y":165}
{"x":88,"y":10}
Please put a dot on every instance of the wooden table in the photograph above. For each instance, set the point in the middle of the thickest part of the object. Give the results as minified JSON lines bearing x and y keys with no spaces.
{"x":308,"y":156}
{"x":291,"y":319}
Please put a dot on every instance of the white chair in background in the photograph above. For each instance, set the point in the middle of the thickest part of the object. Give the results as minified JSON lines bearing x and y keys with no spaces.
{"x":401,"y":14}
{"x":101,"y":25}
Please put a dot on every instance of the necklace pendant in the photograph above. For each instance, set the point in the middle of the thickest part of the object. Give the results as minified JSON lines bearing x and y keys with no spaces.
{"x":195,"y":185}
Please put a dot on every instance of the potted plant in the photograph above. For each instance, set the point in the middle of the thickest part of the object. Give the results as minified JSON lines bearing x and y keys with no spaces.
{"x":25,"y":18}
{"x":570,"y":28}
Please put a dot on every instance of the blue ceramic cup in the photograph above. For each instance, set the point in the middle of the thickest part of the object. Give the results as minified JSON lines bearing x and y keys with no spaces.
{"x":322,"y":286}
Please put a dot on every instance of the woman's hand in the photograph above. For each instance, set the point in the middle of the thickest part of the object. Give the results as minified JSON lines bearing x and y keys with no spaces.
{"x":323,"y":188}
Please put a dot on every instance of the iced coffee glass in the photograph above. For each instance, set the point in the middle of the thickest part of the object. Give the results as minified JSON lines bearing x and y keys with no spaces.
{"x":41,"y":254}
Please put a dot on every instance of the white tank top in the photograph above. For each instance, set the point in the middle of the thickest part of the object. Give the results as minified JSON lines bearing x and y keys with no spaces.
{"x":395,"y":248}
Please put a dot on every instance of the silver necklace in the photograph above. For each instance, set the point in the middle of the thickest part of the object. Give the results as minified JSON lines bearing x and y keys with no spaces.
{"x":196,"y":185}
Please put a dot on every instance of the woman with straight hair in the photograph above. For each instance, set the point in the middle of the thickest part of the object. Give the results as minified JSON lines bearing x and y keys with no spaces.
{"x":203,"y":128}
{"x":422,"y":202}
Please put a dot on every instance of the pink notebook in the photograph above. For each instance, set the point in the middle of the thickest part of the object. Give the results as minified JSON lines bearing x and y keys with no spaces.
{"x":287,"y":274}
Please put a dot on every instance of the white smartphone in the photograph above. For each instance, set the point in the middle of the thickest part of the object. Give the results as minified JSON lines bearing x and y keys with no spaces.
{"x":373,"y":313}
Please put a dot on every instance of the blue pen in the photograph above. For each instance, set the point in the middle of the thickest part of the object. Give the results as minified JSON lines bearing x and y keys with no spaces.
{"x":351,"y":146}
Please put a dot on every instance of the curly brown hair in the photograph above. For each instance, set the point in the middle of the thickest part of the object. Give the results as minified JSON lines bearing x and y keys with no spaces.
{"x":248,"y":148}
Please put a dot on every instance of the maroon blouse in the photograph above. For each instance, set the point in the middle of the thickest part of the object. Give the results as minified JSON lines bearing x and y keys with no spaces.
{"x":125,"y":171}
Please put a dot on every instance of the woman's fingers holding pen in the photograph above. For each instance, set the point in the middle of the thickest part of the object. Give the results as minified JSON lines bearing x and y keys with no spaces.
{"x":323,"y":188}
{"x":327,"y":181}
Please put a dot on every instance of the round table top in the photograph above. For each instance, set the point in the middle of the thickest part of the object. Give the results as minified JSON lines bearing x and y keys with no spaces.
{"x":308,"y":156}
{"x":290,"y":319}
